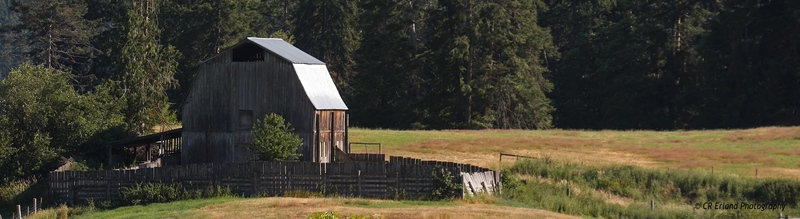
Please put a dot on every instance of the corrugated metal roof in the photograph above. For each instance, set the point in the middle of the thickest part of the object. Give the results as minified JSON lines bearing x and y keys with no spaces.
{"x":319,"y":87}
{"x":285,"y":50}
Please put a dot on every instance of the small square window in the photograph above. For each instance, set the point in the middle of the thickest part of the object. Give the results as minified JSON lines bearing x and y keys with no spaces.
{"x":245,"y":119}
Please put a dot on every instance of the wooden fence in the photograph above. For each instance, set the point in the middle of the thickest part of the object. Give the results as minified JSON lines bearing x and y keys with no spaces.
{"x":410,"y":176}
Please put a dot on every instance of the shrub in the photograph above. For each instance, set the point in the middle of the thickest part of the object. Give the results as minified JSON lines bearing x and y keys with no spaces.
{"x":273,"y":139}
{"x":542,"y":184}
{"x":446,"y":188}
{"x":158,"y":192}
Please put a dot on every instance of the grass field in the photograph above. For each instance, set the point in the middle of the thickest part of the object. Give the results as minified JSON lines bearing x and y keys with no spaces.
{"x":772,"y":151}
{"x":287,"y":207}
{"x":662,"y":157}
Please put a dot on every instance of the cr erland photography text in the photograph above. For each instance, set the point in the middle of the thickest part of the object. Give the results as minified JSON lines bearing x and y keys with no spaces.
{"x":740,"y":206}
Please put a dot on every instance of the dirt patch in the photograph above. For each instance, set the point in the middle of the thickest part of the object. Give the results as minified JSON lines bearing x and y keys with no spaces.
{"x":303,"y":207}
{"x":774,"y":172}
{"x":765,"y":134}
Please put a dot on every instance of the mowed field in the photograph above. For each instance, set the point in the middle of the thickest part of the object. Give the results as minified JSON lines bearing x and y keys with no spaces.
{"x":770,"y":151}
{"x":773,"y":151}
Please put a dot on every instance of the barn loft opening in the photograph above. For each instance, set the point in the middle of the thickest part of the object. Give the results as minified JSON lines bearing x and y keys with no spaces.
{"x":247,"y":52}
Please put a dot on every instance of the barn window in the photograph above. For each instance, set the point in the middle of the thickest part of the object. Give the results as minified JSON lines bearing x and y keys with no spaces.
{"x":247,"y":52}
{"x":245,"y":119}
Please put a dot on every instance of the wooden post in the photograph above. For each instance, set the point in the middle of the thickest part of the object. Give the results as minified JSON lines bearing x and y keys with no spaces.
{"x":333,"y":137}
{"x":317,"y":143}
{"x":360,"y":194}
{"x":147,"y":150}
{"x":34,"y":205}
{"x":346,"y":132}
{"x":652,"y":204}
{"x":19,"y":211}
{"x":568,"y":192}
{"x":712,"y":170}
{"x":110,"y":157}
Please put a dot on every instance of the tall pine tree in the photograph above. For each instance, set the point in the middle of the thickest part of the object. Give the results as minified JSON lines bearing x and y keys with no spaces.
{"x":487,"y":64}
{"x":390,"y":80}
{"x":147,"y":68}
{"x":60,"y":36}
{"x":327,"y":30}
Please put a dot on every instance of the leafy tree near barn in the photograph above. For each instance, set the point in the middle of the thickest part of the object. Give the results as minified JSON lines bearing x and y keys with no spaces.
{"x":42,"y":117}
{"x":273,"y":139}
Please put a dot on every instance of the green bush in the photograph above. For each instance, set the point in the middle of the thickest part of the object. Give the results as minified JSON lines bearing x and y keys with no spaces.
{"x":446,"y":187}
{"x":273,"y":139}
{"x":158,"y":193}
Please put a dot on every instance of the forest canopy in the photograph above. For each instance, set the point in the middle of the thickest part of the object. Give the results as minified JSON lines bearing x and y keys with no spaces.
{"x":439,"y":64}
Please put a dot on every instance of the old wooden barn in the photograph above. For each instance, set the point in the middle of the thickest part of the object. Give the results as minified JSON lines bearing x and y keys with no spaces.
{"x":255,"y":77}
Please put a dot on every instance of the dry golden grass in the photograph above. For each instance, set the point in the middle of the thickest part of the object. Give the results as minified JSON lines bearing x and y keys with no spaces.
{"x":284,"y":207}
{"x":772,"y":150}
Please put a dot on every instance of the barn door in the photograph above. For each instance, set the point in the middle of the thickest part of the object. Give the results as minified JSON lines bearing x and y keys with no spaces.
{"x":323,"y":139}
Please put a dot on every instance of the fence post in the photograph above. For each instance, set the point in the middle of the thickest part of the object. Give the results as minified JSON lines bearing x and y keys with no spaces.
{"x":360,"y":194}
{"x":568,"y":192}
{"x":652,"y":204}
{"x":19,"y":211}
{"x":34,"y":205}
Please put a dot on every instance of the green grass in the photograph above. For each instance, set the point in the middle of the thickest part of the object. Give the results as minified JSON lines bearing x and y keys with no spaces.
{"x":178,"y":209}
{"x":626,"y":191}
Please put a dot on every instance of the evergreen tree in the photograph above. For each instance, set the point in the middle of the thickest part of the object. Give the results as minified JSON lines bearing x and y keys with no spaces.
{"x":487,"y":66}
{"x":390,"y":79}
{"x":11,"y":42}
{"x":626,"y":64}
{"x":327,"y":30}
{"x":199,"y":29}
{"x":60,"y":36}
{"x":147,"y":68}
{"x":751,"y":57}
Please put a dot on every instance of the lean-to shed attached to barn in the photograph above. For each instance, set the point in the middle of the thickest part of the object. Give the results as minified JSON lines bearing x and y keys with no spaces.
{"x":255,"y":77}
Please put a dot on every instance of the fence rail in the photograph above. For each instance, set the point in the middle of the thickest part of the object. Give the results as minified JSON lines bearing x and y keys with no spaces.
{"x":514,"y":155}
{"x":380,"y":147}
{"x":363,"y":179}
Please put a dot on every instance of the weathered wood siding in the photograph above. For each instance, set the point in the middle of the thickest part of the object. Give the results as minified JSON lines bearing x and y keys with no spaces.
{"x":227,"y":97}
{"x":330,"y":121}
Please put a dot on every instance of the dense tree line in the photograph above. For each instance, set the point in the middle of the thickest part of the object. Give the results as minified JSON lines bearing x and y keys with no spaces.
{"x":411,"y":64}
